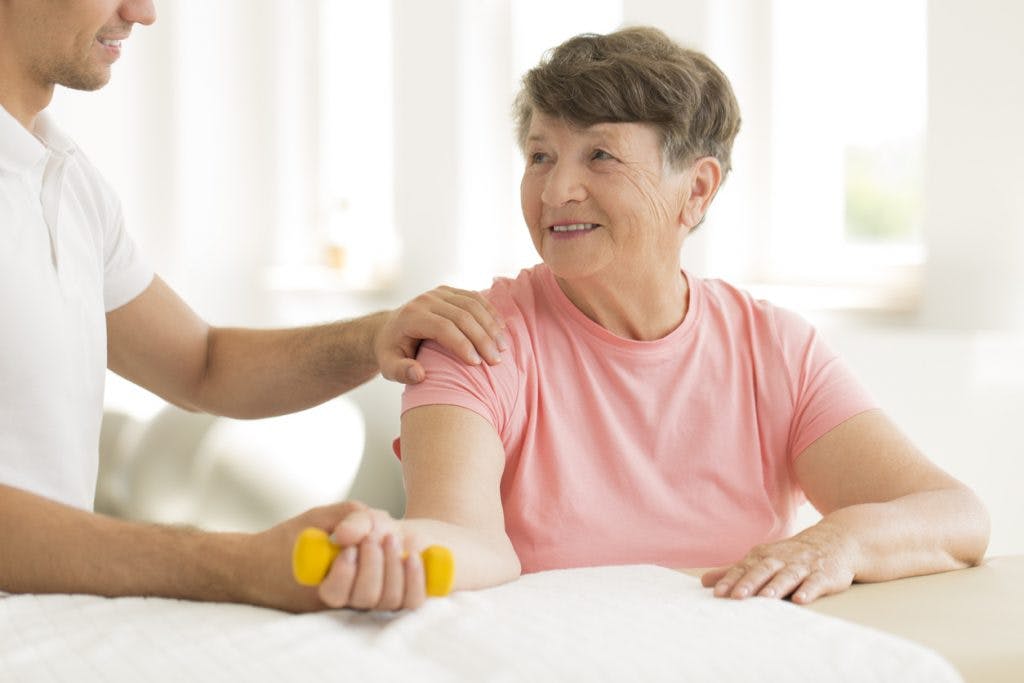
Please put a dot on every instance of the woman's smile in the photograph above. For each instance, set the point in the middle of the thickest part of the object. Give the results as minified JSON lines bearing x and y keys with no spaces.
{"x":572,"y":230}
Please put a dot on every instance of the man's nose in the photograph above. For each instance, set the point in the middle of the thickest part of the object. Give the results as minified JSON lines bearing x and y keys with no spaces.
{"x":138,"y":12}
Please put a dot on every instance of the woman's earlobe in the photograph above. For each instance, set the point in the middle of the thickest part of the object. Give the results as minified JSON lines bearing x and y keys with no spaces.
{"x":691,"y":217}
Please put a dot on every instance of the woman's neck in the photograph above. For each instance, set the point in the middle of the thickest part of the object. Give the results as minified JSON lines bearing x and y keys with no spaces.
{"x":640,"y":306}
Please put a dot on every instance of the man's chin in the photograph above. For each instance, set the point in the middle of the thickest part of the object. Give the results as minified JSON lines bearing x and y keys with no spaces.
{"x":88,"y":81}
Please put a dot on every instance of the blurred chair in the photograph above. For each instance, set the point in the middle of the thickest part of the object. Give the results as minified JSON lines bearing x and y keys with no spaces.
{"x":225,"y":474}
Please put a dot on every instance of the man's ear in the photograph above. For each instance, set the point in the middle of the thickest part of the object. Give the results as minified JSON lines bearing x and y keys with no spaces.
{"x":705,"y":179}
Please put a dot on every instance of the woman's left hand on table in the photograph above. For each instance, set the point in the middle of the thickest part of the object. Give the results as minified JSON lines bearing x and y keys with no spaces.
{"x":818,"y":561}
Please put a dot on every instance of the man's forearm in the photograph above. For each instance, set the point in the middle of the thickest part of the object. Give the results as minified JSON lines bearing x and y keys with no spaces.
{"x":47,"y":547}
{"x":260,"y":373}
{"x":920,"y":533}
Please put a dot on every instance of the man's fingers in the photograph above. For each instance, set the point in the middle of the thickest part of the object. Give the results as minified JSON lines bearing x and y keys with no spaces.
{"x":453,"y":328}
{"x":459,"y":331}
{"x":400,"y":368}
{"x":464,"y":322}
{"x":486,"y":316}
{"x":489,"y":318}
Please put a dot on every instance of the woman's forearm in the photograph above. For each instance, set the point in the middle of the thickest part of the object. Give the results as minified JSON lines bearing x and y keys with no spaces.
{"x":481,"y":560}
{"x":920,"y":533}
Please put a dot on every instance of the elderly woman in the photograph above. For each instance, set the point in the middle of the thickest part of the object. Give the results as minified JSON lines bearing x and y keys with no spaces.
{"x":642,"y":414}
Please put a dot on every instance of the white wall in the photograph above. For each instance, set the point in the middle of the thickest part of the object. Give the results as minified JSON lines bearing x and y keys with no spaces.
{"x":975,"y":201}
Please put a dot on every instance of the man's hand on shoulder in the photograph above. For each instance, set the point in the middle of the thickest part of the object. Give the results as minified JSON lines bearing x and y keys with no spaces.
{"x":464,"y":322}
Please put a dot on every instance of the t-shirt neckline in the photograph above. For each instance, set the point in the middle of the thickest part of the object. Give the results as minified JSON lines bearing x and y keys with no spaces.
{"x":669,"y":343}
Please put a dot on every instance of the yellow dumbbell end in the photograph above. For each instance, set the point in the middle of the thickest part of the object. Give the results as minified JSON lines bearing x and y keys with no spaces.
{"x":314,"y":552}
{"x":439,"y":568}
{"x":312,"y":556}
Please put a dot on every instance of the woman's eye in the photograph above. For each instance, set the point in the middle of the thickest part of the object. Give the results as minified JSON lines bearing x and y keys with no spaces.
{"x":601,"y":155}
{"x":538,"y":158}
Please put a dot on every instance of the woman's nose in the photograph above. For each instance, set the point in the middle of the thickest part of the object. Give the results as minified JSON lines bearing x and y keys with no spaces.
{"x":564,"y":184}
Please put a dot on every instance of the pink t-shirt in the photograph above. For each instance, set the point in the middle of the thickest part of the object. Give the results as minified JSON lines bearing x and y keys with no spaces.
{"x":675,"y":452}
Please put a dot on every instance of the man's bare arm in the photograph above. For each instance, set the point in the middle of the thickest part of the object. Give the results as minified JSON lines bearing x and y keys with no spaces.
{"x":47,"y":547}
{"x":160,"y":343}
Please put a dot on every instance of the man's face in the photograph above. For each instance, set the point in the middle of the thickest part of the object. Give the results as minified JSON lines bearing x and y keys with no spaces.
{"x":74,"y":42}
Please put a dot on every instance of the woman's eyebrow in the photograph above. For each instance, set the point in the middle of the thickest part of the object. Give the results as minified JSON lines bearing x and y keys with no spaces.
{"x":603,"y":132}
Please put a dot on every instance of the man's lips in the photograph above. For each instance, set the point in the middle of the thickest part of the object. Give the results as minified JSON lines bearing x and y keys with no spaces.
{"x":113,"y":40}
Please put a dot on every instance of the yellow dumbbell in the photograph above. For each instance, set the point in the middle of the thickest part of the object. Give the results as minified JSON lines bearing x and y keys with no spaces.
{"x":314,"y":552}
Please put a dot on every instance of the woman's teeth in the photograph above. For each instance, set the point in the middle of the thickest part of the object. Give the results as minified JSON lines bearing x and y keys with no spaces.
{"x":573,"y":227}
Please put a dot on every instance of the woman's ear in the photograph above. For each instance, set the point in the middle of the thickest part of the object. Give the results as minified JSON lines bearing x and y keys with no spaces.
{"x":705,"y":179}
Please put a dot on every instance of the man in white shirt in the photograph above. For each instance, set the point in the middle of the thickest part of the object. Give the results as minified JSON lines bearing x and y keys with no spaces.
{"x":75,"y":298}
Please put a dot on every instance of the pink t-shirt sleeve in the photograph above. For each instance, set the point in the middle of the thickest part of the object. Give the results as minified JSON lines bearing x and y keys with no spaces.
{"x":824,"y":391}
{"x":489,"y":391}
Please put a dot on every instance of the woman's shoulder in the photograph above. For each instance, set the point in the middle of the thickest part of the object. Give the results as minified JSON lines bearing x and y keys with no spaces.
{"x":519,"y":296}
{"x":724,"y":295}
{"x":726,"y":301}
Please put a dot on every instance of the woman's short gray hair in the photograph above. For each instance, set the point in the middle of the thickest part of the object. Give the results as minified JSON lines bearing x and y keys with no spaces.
{"x":636,"y":75}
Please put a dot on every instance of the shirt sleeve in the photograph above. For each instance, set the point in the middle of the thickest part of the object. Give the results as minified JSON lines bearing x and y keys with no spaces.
{"x":125,"y":273}
{"x":489,"y":391}
{"x":824,"y":391}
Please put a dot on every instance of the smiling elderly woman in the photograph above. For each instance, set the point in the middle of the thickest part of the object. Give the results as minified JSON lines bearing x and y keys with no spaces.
{"x":642,"y":414}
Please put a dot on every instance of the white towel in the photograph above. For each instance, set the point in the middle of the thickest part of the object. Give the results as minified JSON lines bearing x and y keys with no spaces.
{"x":599,"y":624}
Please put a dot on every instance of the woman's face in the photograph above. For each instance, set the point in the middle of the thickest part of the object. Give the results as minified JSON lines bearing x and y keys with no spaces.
{"x":599,"y":201}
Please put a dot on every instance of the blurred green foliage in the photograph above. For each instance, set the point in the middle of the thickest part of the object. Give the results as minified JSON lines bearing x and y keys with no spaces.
{"x":885,"y":192}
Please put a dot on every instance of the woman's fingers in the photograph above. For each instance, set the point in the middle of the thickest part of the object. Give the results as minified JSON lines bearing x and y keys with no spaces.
{"x":785,"y":581}
{"x":393,"y":592}
{"x":369,"y":581}
{"x":337,"y":585}
{"x":372,"y":572}
{"x":821,"y":583}
{"x":755,"y":575}
{"x":805,"y":567}
{"x":415,"y":581}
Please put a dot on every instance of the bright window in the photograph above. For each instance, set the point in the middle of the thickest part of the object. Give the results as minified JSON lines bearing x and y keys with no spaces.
{"x":355,"y":151}
{"x":848,"y":116}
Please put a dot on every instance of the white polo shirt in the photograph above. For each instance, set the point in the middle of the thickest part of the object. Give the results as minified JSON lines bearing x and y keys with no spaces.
{"x":65,"y":260}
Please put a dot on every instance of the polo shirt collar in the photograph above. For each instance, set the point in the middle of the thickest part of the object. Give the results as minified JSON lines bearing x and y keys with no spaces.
{"x":20,"y":150}
{"x":52,"y":136}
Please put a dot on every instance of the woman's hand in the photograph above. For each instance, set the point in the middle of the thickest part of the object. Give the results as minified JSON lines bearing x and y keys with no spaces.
{"x":463,"y":322}
{"x":370,"y":572}
{"x":818,"y":561}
